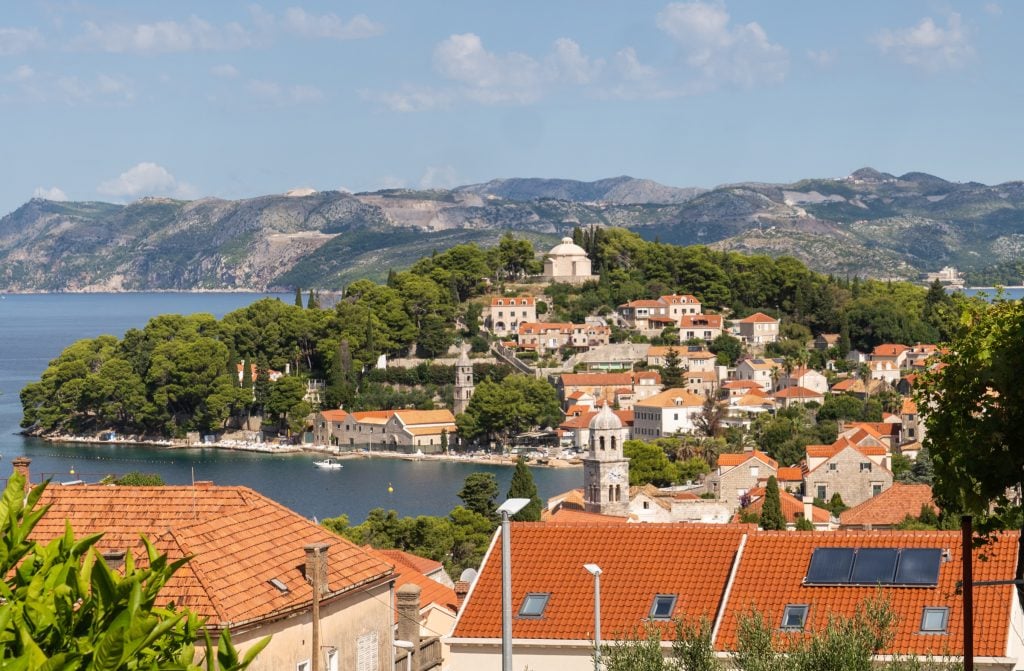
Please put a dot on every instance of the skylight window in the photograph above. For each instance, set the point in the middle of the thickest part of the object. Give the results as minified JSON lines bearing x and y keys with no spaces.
{"x":794,"y":617}
{"x":934,"y":620}
{"x":533,"y":605}
{"x":280,"y":586}
{"x":663,"y":606}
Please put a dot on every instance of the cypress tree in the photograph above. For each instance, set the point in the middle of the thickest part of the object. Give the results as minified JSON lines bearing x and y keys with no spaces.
{"x":312,"y":301}
{"x":298,"y":297}
{"x":771,"y":512}
{"x":246,"y":374}
{"x":523,"y":487}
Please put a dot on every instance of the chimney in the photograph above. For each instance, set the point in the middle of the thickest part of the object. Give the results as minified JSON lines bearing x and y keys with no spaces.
{"x":809,"y":509}
{"x":461,"y":591}
{"x":316,"y":564}
{"x":203,"y":484}
{"x":408,"y":599}
{"x":21,"y":465}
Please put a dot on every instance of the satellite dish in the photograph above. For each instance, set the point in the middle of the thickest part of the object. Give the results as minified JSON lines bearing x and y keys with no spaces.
{"x":469,"y":575}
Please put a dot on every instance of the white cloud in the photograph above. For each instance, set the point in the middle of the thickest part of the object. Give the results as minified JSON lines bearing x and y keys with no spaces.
{"x":28,"y":85}
{"x":53,"y":193}
{"x":823,"y":58}
{"x":300,"y":22}
{"x":18,"y":40}
{"x":195,"y":34}
{"x":145,"y":179}
{"x":438,"y":177}
{"x":279,"y":94}
{"x":993,"y":8}
{"x":20,"y":74}
{"x":928,"y":45}
{"x":410,"y":99}
{"x":721,"y":50}
{"x":226,"y":71}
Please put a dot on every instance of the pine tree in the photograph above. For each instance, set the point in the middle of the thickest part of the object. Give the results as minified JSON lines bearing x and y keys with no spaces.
{"x":523,"y":487}
{"x":671,"y":371}
{"x":298,"y":297}
{"x":771,"y":512}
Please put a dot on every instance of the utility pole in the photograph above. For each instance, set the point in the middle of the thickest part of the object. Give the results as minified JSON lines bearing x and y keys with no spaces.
{"x":967,"y":535}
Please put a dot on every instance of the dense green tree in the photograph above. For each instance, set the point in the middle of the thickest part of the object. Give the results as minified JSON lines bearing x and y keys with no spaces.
{"x":479,"y":493}
{"x":671,"y":370}
{"x":502,"y":409}
{"x":435,"y":337}
{"x":836,"y":504}
{"x":727,"y":349}
{"x":649,"y":464}
{"x":804,"y":524}
{"x":137,"y":479}
{"x":976,"y":415}
{"x":472,"y":318}
{"x":298,"y":297}
{"x":523,"y":487}
{"x":772,"y":518}
{"x":515,"y":257}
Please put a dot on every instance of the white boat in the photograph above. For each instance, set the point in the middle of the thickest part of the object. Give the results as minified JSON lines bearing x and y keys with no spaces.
{"x":328,"y":464}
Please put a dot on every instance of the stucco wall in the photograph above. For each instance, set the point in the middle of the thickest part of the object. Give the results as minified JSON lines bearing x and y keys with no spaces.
{"x":341,"y":624}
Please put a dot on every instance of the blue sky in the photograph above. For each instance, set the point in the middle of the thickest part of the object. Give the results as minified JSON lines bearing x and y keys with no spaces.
{"x":117,"y":100}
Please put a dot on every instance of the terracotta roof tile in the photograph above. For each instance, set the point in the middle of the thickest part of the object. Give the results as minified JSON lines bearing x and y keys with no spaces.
{"x":702,"y":321}
{"x":774,"y":564}
{"x":569,"y":515}
{"x":607,"y":379}
{"x":731,"y":459}
{"x":411,"y":569}
{"x":634,"y":564}
{"x":518,"y":301}
{"x":334,"y":415}
{"x":676,"y":299}
{"x":891,"y":506}
{"x":425,"y":416}
{"x":759,"y":317}
{"x":240,"y":541}
{"x":671,"y":398}
{"x":908,"y":407}
{"x":889,"y":349}
{"x":798,"y":392}
{"x":790,"y":474}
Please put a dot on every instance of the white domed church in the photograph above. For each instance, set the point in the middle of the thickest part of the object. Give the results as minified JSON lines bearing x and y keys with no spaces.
{"x":568,"y":262}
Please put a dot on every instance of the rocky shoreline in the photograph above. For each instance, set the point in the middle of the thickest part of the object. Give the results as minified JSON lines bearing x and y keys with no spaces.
{"x":271,"y":448}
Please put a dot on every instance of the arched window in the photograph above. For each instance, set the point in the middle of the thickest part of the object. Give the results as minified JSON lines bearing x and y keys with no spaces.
{"x":611,"y":492}
{"x":613,"y":443}
{"x":600,"y":442}
{"x":618,"y":493}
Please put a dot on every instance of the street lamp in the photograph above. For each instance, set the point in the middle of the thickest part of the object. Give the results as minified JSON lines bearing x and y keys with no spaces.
{"x":407,"y":646}
{"x":595,"y":570}
{"x":507,"y":510}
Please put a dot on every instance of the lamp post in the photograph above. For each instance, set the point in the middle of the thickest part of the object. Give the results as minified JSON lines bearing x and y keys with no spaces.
{"x":595,"y":570}
{"x":407,"y":646}
{"x":507,"y":510}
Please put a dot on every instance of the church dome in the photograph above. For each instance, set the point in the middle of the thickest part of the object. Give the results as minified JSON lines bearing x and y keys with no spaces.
{"x":567,"y":248}
{"x":605,"y":420}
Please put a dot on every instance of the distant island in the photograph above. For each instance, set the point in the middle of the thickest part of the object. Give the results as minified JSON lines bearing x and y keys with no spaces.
{"x":868,"y":224}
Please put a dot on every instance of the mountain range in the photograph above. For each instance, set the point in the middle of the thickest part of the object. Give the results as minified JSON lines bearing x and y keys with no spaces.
{"x":869,"y":223}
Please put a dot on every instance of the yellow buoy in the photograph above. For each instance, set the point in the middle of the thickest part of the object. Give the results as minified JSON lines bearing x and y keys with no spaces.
{"x":391,"y":490}
{"x":72,"y":470}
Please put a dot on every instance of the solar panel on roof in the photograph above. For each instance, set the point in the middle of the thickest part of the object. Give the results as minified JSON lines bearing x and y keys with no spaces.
{"x":874,"y":566}
{"x":919,"y":566}
{"x":830,"y":566}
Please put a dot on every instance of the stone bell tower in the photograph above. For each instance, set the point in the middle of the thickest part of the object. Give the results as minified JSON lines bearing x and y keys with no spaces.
{"x":605,"y":469}
{"x":463,"y":382}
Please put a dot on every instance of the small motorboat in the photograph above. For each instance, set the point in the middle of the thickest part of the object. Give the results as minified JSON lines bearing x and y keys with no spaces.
{"x":329,"y":465}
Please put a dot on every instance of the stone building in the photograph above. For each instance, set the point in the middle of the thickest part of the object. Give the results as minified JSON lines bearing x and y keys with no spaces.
{"x":605,"y":469}
{"x":568,"y":262}
{"x":463,"y":382}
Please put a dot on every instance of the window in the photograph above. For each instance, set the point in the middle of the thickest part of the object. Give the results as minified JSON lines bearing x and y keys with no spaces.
{"x":876,"y":489}
{"x":833,"y":467}
{"x":647,"y":505}
{"x":367,"y":652}
{"x":794,"y":617}
{"x":865,"y":466}
{"x":822,"y":492}
{"x":753,"y":471}
{"x":663,"y":606}
{"x":533,"y":605}
{"x":302,"y":666}
{"x":934,"y":620}
{"x":332,"y":659}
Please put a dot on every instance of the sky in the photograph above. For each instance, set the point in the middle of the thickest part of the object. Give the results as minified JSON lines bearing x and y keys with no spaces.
{"x":117,"y":100}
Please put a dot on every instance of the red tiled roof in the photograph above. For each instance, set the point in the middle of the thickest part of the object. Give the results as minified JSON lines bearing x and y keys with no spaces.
{"x":607,"y":379}
{"x":792,"y":507}
{"x":797,"y":392}
{"x":412,"y":417}
{"x":570,"y":515}
{"x":634,"y":560}
{"x":334,"y":415}
{"x":759,"y":317}
{"x":583,"y":421}
{"x":774,"y":564}
{"x":676,"y":299}
{"x":849,"y":384}
{"x":240,"y":540}
{"x":908,"y":407}
{"x":891,"y":506}
{"x":518,"y":301}
{"x":889,"y":349}
{"x":406,"y":572}
{"x":672,"y":398}
{"x":705,"y":321}
{"x":643,"y":303}
{"x":737,"y":458}
{"x":741,"y":384}
{"x":790,"y":474}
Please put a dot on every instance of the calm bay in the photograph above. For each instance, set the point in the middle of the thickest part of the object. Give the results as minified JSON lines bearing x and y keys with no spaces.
{"x":34,"y":328}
